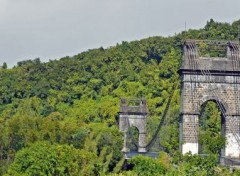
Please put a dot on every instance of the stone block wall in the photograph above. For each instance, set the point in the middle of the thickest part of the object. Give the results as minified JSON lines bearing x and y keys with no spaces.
{"x":198,"y":88}
{"x":132,"y":120}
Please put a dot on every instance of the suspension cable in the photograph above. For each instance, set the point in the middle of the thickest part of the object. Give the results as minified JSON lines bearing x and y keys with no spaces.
{"x":175,"y":86}
{"x":220,"y":105}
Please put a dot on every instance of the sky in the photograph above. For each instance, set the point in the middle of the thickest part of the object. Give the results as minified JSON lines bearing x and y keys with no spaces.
{"x":51,"y":29}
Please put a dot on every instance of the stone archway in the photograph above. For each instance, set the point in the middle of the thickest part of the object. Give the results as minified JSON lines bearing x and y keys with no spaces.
{"x":207,"y":123}
{"x":133,"y":116}
{"x":203,"y":79}
{"x":216,"y":99}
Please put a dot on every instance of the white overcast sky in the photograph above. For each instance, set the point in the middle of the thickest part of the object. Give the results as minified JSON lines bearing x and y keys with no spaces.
{"x":51,"y":29}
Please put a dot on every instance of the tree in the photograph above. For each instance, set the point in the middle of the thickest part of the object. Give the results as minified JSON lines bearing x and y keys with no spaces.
{"x":4,"y":66}
{"x":43,"y":158}
{"x":147,"y":166}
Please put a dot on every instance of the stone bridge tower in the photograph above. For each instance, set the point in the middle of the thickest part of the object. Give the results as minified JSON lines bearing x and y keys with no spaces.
{"x":133,"y":113}
{"x":208,"y":78}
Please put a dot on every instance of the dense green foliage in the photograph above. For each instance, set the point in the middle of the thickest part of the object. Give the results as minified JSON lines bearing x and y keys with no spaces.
{"x":63,"y":113}
{"x":147,"y":166}
{"x":211,"y":137}
{"x":45,"y":159}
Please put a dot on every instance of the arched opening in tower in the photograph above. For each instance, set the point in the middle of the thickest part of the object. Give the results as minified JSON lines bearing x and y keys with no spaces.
{"x":212,"y":128}
{"x":133,"y":137}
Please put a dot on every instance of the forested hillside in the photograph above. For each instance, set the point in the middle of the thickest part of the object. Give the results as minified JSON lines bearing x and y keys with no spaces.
{"x":60,"y":117}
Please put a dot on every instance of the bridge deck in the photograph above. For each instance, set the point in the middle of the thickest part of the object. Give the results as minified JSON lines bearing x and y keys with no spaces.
{"x":231,"y":162}
{"x":129,"y":155}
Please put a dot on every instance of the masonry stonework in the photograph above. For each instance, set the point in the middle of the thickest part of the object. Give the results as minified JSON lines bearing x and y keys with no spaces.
{"x":204,"y":79}
{"x":133,"y":116}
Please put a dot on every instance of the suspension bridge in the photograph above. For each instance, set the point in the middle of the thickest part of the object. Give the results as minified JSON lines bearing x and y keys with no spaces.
{"x":203,"y":79}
